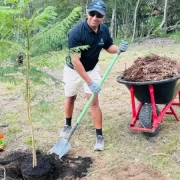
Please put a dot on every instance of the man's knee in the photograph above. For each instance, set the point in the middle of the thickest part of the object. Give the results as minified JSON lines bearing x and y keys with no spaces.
{"x":70,"y":100}
{"x":95,"y":103}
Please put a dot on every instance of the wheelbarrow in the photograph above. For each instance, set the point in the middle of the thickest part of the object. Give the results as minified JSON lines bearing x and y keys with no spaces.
{"x":146,"y":117}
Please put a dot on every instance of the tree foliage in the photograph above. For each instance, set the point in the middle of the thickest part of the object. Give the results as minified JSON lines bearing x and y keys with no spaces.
{"x":149,"y":17}
{"x":55,"y":37}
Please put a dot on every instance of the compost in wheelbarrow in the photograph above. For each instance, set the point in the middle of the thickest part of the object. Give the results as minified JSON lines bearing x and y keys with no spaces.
{"x":149,"y":94}
{"x":164,"y":90}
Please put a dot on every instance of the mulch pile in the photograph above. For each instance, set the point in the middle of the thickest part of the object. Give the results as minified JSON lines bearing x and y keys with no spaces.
{"x":152,"y":68}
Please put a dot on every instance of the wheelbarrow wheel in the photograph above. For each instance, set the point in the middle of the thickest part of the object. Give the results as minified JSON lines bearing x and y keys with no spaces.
{"x":145,"y":118}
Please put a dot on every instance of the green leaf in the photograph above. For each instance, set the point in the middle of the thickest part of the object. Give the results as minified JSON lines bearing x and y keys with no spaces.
{"x":40,"y":19}
{"x":54,"y":37}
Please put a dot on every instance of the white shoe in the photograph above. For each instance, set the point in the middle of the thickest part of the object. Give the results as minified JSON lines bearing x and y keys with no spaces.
{"x":65,"y":131}
{"x":99,"y":146}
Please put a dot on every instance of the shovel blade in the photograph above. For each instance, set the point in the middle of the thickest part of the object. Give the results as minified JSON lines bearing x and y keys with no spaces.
{"x":61,"y":147}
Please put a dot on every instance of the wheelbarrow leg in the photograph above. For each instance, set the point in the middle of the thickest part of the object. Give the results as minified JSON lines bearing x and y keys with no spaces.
{"x":155,"y":120}
{"x":135,"y":114}
{"x":175,"y":104}
{"x":174,"y":113}
{"x":146,"y":114}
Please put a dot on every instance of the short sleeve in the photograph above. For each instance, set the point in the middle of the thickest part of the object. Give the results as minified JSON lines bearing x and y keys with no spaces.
{"x":74,"y":38}
{"x":109,"y":40}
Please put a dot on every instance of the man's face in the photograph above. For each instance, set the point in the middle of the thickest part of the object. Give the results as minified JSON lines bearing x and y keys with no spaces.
{"x":95,"y":18}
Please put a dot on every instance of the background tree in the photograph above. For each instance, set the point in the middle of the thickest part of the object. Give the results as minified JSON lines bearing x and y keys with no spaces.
{"x":135,"y":17}
{"x":164,"y":21}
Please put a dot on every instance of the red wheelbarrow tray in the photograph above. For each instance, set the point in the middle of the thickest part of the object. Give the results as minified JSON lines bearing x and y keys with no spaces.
{"x":153,"y":92}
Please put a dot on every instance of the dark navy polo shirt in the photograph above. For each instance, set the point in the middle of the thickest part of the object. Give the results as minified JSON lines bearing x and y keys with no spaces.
{"x":82,"y":34}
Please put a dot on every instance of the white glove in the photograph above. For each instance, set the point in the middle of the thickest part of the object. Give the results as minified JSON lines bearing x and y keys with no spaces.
{"x":94,"y":87}
{"x":124,"y":46}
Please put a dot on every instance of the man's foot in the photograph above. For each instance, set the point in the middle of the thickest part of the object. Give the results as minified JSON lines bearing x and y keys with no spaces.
{"x":65,"y":131}
{"x":99,"y":146}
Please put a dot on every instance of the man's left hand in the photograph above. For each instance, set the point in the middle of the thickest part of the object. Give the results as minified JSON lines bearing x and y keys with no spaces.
{"x":124,"y":46}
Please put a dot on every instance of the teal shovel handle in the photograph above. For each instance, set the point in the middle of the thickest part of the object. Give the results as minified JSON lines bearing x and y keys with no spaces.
{"x":100,"y":83}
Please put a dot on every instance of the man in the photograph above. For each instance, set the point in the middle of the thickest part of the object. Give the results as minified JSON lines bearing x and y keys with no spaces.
{"x":84,"y":70}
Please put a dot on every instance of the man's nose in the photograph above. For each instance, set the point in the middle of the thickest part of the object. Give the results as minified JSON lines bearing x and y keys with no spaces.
{"x":95,"y":17}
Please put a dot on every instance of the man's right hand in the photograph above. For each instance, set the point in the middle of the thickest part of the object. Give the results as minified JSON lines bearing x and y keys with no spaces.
{"x":94,"y":87}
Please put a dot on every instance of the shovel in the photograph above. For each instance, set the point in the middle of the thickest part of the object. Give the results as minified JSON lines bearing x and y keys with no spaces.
{"x":63,"y":145}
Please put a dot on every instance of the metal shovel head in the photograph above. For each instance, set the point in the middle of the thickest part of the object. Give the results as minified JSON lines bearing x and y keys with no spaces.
{"x":61,"y":147}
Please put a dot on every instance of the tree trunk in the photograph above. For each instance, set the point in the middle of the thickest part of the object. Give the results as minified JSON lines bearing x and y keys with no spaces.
{"x":113,"y":24}
{"x":164,"y":21}
{"x":135,"y":17}
{"x":28,"y":97}
{"x":115,"y":20}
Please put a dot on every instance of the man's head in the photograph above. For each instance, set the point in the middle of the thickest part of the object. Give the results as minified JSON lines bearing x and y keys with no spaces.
{"x":97,"y":6}
{"x":96,"y":13}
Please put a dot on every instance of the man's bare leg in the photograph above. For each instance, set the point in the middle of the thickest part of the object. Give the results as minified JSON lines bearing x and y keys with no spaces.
{"x":96,"y":112}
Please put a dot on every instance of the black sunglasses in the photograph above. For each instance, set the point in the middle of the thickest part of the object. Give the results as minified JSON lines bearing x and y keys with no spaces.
{"x":95,"y":13}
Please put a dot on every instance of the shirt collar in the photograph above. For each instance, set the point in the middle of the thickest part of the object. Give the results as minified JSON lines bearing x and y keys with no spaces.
{"x":89,"y":29}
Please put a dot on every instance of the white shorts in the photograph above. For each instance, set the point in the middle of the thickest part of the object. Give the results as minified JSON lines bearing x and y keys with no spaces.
{"x":73,"y":80}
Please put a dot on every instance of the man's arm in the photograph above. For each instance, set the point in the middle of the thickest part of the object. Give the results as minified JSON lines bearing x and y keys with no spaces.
{"x":112,"y":49}
{"x":94,"y":87}
{"x":123,"y":47}
{"x":80,"y":69}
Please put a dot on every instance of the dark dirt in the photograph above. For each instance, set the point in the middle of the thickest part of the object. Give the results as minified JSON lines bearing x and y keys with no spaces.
{"x":18,"y":164}
{"x":41,"y":171}
{"x":152,"y":68}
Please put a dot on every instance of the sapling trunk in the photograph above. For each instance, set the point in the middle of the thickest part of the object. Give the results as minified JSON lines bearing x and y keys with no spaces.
{"x":28,"y":97}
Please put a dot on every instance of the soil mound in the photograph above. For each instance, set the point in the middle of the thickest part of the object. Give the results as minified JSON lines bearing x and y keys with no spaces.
{"x":18,"y":163}
{"x":152,"y":68}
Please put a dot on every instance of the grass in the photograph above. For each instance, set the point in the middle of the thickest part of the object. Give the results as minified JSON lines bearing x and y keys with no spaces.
{"x":122,"y":145}
{"x":28,"y":140}
{"x":51,"y":60}
{"x":9,"y":86}
{"x":175,"y":36}
{"x":46,"y":113}
{"x":14,"y":129}
{"x":11,"y":117}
